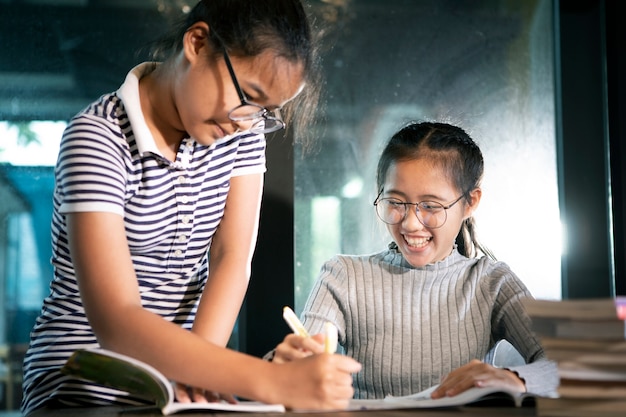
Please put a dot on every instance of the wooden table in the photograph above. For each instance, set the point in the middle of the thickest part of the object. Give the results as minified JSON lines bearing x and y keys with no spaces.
{"x":143,"y":412}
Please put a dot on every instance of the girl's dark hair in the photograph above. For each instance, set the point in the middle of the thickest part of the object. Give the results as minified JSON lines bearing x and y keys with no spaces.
{"x":247,"y":28}
{"x":450,"y":148}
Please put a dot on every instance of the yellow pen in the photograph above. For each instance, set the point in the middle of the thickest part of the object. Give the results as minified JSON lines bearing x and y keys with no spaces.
{"x":330,"y":342}
{"x":330,"y":330}
{"x":294,"y":323}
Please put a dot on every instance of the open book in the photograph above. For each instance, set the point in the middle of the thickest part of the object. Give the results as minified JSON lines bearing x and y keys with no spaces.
{"x":124,"y":373}
{"x":496,"y":396}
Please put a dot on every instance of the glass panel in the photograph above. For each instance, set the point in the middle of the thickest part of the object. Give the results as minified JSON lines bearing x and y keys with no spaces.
{"x":486,"y":66}
{"x":27,"y":158}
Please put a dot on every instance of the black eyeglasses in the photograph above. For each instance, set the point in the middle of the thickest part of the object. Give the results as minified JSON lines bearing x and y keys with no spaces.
{"x":267,"y":121}
{"x":430,"y":213}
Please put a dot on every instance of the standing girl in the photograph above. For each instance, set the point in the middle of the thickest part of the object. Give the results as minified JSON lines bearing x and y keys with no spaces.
{"x":156,"y":205}
{"x":425,"y":310}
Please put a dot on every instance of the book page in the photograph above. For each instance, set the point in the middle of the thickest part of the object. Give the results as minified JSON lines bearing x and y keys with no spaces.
{"x":472,"y":395}
{"x":242,"y":406}
{"x":125,"y":373}
{"x":120,"y":372}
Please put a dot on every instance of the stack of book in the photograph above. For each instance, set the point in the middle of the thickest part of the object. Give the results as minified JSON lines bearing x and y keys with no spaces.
{"x":587,"y":340}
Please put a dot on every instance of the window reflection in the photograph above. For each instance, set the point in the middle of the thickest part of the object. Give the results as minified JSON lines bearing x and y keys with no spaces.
{"x":486,"y":66}
{"x":27,"y":157}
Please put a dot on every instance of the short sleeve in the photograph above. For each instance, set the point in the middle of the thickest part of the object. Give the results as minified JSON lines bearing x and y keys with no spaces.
{"x":90,"y":171}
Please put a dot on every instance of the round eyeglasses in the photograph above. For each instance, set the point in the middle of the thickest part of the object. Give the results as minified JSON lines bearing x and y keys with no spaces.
{"x":429,"y":213}
{"x":264,"y":120}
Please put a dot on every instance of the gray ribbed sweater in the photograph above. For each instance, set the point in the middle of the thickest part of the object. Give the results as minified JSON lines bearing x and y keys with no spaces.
{"x":410,"y":326}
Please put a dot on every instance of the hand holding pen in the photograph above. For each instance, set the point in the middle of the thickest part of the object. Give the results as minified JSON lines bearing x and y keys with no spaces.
{"x":300,"y":344}
{"x":330,"y":330}
{"x":316,"y":354}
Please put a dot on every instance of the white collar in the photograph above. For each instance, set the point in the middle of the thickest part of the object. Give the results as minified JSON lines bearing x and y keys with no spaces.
{"x":129,"y":94}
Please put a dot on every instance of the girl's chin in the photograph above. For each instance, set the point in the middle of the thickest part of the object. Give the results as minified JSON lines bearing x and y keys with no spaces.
{"x":417,"y":263}
{"x":417,"y":259}
{"x":214,"y":132}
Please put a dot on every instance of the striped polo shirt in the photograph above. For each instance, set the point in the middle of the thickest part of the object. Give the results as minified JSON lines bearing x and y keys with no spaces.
{"x":108,"y":162}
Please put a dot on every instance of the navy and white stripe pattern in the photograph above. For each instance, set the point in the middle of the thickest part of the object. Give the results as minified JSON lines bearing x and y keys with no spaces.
{"x":171,"y":211}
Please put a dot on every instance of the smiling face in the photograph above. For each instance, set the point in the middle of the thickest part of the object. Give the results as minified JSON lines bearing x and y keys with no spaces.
{"x":205,"y":93}
{"x":418,"y":180}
